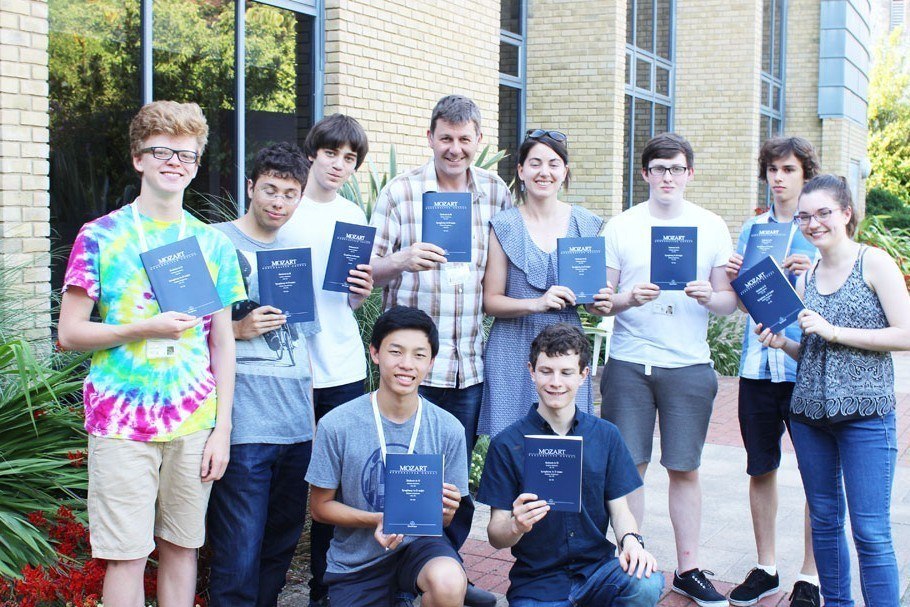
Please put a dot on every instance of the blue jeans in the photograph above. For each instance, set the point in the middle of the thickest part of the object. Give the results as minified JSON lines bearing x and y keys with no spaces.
{"x":850,"y":465}
{"x":324,"y":400}
{"x":255,"y":519}
{"x":609,"y":586}
{"x":464,"y":404}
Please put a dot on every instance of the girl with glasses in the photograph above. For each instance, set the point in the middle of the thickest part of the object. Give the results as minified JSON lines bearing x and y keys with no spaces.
{"x":842,"y":416}
{"x":520,"y":289}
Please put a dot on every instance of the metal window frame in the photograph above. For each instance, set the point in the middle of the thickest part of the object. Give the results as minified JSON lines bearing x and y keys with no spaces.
{"x":651,"y":96}
{"x":777,"y":47}
{"x":313,"y":8}
{"x":520,"y":82}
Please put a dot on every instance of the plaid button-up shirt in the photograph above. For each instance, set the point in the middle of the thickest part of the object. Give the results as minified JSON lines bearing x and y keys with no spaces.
{"x":457,"y":309}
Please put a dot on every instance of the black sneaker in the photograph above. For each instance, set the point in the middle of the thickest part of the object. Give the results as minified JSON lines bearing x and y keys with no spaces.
{"x":696,"y":586}
{"x":759,"y":584}
{"x":805,"y":594}
{"x":476,"y":596}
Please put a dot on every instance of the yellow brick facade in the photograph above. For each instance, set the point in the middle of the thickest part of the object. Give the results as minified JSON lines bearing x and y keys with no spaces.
{"x":718,"y":65}
{"x":575,"y":84}
{"x":388,"y":62}
{"x":24,"y":215}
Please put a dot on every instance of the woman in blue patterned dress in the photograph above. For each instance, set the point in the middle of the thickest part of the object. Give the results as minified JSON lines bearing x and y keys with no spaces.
{"x":842,"y":416}
{"x":519,"y":287}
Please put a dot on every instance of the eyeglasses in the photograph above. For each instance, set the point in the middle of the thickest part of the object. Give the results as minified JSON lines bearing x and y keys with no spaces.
{"x":820,"y":215}
{"x":159,"y":152}
{"x":554,"y":135}
{"x":659,"y":171}
{"x":276,"y":195}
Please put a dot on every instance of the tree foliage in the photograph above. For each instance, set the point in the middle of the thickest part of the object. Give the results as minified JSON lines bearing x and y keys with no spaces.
{"x":889,"y":117}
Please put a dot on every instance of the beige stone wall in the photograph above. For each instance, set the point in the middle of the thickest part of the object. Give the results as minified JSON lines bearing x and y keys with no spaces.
{"x":575,"y":84}
{"x":842,"y":142}
{"x":801,"y":110}
{"x":24,"y":215}
{"x":718,"y":62}
{"x":389,"y":61}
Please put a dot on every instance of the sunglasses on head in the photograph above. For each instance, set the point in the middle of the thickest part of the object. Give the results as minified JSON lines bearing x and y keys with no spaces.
{"x":554,"y":135}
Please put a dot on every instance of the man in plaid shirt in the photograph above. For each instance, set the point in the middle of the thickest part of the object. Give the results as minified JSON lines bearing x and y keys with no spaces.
{"x":415,"y":273}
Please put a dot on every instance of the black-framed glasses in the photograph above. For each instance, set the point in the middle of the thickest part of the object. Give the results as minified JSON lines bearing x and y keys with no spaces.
{"x":820,"y":215}
{"x":159,"y":152}
{"x":554,"y":135}
{"x":659,"y":171}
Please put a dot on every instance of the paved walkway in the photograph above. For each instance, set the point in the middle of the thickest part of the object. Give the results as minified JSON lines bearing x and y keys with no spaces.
{"x":727,"y":544}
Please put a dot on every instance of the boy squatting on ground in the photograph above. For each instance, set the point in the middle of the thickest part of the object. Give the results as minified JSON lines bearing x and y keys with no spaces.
{"x":159,"y":432}
{"x":563,"y":559}
{"x":365,"y":566}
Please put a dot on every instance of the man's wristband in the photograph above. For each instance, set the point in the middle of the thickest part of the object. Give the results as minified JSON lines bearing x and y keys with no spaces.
{"x":640,"y":539}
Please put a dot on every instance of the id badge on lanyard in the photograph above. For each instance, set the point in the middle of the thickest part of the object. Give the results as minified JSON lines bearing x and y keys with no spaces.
{"x":381,"y":433}
{"x":156,"y":348}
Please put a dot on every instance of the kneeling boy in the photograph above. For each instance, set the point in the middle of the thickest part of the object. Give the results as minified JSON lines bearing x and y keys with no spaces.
{"x":564,"y":558}
{"x":365,"y":566}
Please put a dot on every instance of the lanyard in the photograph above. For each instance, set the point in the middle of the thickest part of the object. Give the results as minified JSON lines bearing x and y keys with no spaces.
{"x":141,"y":232}
{"x":381,"y":433}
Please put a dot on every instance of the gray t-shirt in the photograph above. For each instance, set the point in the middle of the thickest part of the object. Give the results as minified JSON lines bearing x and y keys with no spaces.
{"x":273,"y":390}
{"x":346,"y":458}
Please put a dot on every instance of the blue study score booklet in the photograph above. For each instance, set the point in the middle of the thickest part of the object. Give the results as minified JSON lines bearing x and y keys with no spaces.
{"x":447,"y":223}
{"x":582,"y":266}
{"x":766,"y":239}
{"x":351,"y":246}
{"x":552,"y":470}
{"x":768,"y":295}
{"x":413,"y":494}
{"x":674,"y":256}
{"x":180,"y":278}
{"x":286,"y":282}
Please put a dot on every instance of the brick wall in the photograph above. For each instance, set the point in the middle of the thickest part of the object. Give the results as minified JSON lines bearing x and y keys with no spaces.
{"x":389,"y":61}
{"x":801,"y":111}
{"x":24,"y":215}
{"x":718,"y":62}
{"x":576,"y":62}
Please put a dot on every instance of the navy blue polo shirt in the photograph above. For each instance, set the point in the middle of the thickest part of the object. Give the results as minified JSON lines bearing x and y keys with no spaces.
{"x":562,"y":545}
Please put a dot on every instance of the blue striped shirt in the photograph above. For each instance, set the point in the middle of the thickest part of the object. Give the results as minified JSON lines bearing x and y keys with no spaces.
{"x":757,"y":361}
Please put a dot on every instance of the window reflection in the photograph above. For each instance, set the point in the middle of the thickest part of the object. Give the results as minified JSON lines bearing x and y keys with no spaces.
{"x":509,"y":111}
{"x":94,"y":78}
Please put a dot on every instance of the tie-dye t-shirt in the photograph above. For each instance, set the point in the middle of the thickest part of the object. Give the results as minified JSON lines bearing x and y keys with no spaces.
{"x":128,"y":395}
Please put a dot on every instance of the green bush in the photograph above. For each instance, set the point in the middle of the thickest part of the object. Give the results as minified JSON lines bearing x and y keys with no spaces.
{"x":893,"y":211}
{"x":725,"y":334}
{"x":478,"y":457}
{"x":895,"y":241}
{"x":42,"y":448}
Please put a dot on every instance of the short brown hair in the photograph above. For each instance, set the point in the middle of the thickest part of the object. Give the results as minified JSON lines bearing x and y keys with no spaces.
{"x":781,"y":147}
{"x":168,"y":118}
{"x":559,"y":340}
{"x":666,"y":146}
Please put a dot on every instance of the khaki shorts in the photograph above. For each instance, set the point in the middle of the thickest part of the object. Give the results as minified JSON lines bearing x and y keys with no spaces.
{"x":126,"y":479}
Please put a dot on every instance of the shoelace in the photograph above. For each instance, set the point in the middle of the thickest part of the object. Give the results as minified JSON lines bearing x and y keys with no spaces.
{"x":752,"y":580}
{"x":701,"y":580}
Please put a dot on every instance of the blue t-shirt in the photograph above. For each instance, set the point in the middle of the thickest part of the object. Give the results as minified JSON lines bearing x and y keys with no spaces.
{"x":757,"y":361}
{"x":563,"y":545}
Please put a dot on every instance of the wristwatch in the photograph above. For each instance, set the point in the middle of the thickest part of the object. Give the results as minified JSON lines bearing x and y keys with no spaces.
{"x":640,"y":539}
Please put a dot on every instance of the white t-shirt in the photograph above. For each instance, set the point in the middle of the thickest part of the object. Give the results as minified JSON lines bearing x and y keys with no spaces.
{"x":336,"y":351}
{"x":670,"y":331}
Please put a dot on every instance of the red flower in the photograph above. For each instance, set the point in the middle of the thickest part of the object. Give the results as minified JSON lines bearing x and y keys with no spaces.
{"x":77,"y":458}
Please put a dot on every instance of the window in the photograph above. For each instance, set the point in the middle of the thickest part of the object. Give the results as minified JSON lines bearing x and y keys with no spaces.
{"x":106,"y":60}
{"x":650,"y":71}
{"x":512,"y":83}
{"x":771,"y":112}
